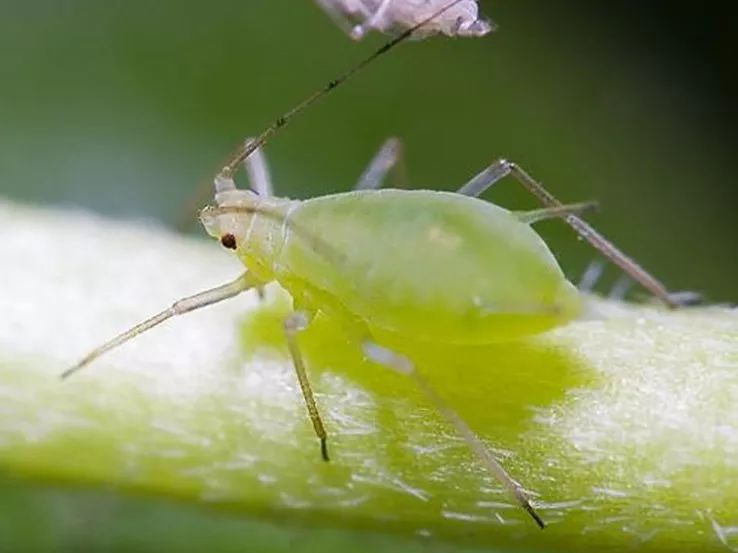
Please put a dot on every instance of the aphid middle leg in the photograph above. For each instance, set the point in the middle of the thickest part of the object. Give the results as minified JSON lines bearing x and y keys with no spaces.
{"x":403,"y":365}
{"x":388,"y":157}
{"x":293,"y":324}
{"x":591,"y":275}
{"x":179,"y":307}
{"x":502,"y":168}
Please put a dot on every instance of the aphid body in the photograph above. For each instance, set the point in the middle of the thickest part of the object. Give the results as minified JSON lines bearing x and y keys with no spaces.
{"x":423,"y":264}
{"x":434,"y":266}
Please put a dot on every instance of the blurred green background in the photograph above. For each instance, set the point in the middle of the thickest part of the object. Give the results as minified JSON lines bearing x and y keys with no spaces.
{"x":126,"y":107}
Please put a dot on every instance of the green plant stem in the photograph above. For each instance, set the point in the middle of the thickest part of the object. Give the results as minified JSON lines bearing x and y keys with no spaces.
{"x":622,"y":426}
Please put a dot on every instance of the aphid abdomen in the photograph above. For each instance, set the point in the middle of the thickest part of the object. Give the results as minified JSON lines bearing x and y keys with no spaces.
{"x":433,"y":265}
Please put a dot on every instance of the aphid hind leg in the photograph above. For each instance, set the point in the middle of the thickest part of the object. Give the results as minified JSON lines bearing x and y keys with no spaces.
{"x":403,"y":365}
{"x":389,"y":156}
{"x":293,"y":325}
{"x":595,"y":269}
{"x":179,"y":307}
{"x":502,"y":168}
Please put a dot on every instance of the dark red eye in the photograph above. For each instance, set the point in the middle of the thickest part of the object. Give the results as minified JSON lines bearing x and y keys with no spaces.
{"x":228,"y":241}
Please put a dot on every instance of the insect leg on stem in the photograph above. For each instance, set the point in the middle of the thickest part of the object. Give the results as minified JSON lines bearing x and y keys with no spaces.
{"x":388,"y":358}
{"x":293,"y":325}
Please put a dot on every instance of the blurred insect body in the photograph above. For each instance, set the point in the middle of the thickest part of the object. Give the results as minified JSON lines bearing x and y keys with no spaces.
{"x":426,"y":265}
{"x":358,"y":17}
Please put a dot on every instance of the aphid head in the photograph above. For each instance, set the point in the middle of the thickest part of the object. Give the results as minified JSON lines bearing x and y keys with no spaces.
{"x":230,"y":227}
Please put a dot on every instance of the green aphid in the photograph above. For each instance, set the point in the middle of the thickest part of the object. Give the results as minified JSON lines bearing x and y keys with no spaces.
{"x":425,"y":265}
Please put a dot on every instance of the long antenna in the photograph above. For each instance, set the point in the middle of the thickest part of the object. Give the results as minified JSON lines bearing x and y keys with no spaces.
{"x":245,"y":151}
{"x":282,"y":121}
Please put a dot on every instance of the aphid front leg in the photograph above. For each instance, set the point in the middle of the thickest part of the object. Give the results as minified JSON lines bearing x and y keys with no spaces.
{"x":502,"y":168}
{"x":403,"y":365}
{"x":179,"y":307}
{"x":293,"y":324}
{"x":257,"y":170}
{"x":389,"y":156}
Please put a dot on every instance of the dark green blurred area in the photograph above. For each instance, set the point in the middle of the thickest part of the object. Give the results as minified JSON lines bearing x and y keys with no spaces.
{"x":125,"y":108}
{"x":67,"y":519}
